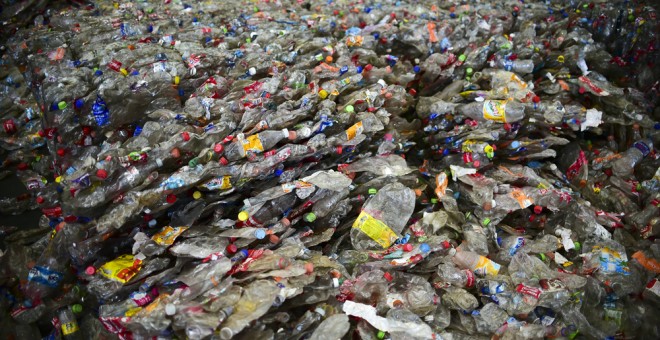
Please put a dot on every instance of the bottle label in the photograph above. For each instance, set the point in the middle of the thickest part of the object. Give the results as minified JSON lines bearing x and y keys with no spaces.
{"x":486,"y":267}
{"x":643,"y":148}
{"x":469,"y":282}
{"x":523,"y":200}
{"x":527,"y":290}
{"x":121,"y":269}
{"x":168,"y":235}
{"x":375,"y":229}
{"x":574,"y":169}
{"x":354,"y":130}
{"x":218,"y":183}
{"x":45,"y":276}
{"x":650,"y":264}
{"x":612,"y":261}
{"x":69,"y":328}
{"x":494,"y":110}
{"x":252,"y":144}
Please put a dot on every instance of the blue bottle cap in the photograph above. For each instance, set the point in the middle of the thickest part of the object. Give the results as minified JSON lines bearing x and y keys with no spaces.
{"x":424,"y":248}
{"x":376,"y":35}
{"x":279,"y":172}
{"x":260,"y":234}
{"x":452,"y":15}
{"x":244,"y":252}
{"x":445,"y":152}
{"x":27,"y":303}
{"x":515,"y":144}
{"x":79,"y":103}
{"x":98,"y":73}
{"x":416,"y":69}
{"x":656,"y":126}
{"x":359,"y":69}
{"x":181,"y":93}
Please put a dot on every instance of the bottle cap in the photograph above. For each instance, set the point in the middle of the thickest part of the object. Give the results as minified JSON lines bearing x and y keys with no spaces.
{"x":310,"y":217}
{"x":170,"y":309}
{"x":223,"y":161}
{"x":243,"y":216}
{"x":197,"y":195}
{"x":27,"y":303}
{"x":40,"y":200}
{"x":171,"y":198}
{"x":407,"y":247}
{"x":380,"y":335}
{"x":462,"y":57}
{"x":577,"y":245}
{"x":274,"y":239}
{"x":349,"y":108}
{"x":218,"y":148}
{"x":373,"y":191}
{"x":515,"y":144}
{"x":424,"y":248}
{"x":292,"y":135}
{"x":538,"y":209}
{"x":416,"y":69}
{"x":77,"y":308}
{"x":323,"y":94}
{"x":101,"y":173}
{"x":90,"y":270}
{"x":260,"y":234}
{"x":226,"y":333}
{"x":231,"y":248}
{"x":61,"y":105}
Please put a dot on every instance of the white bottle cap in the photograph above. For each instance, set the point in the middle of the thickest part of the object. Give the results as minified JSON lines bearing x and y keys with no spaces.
{"x":170,"y":309}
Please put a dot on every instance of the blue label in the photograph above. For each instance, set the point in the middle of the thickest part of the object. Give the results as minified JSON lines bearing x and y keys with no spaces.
{"x":100,"y":111}
{"x":643,"y":148}
{"x":45,"y":276}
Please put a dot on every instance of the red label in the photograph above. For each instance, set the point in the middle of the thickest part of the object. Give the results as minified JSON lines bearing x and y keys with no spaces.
{"x":574,"y":169}
{"x":470,"y":279}
{"x":531,"y":291}
{"x":9,"y":126}
{"x":52,"y":212}
{"x":114,"y":65}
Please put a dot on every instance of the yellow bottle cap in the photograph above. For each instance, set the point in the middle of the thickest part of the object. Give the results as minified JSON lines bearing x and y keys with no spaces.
{"x":243,"y":216}
{"x":58,"y":179}
{"x":176,"y":80}
{"x":197,"y":195}
{"x":323,"y":94}
{"x":123,"y":71}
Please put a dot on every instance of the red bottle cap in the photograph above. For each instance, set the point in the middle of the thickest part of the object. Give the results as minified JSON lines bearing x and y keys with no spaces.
{"x":101,"y":173}
{"x":40,"y":200}
{"x":407,"y":247}
{"x":231,"y":248}
{"x":171,"y":199}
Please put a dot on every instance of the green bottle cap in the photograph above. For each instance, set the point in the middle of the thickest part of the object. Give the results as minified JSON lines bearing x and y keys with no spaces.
{"x":434,"y":200}
{"x":310,"y":217}
{"x":577,"y":245}
{"x":381,"y":335}
{"x":350,"y":108}
{"x":486,"y":221}
{"x":77,"y":308}
{"x":462,"y":57}
{"x":61,"y":105}
{"x":373,"y":191}
{"x":542,"y":256}
{"x":468,"y":70}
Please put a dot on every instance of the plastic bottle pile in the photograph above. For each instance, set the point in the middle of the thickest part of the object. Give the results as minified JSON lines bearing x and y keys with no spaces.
{"x":332,"y":169}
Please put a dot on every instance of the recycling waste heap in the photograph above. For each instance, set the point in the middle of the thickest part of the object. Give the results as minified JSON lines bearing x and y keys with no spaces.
{"x":331,"y":169}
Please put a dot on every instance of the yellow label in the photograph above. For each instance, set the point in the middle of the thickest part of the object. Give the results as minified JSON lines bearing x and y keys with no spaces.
{"x":486,"y":267}
{"x":252,"y":144}
{"x":69,"y":327}
{"x":132,"y":311}
{"x":354,"y":130}
{"x":226,"y":182}
{"x":375,"y":229}
{"x":121,"y":269}
{"x":168,"y":235}
{"x":494,"y":110}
